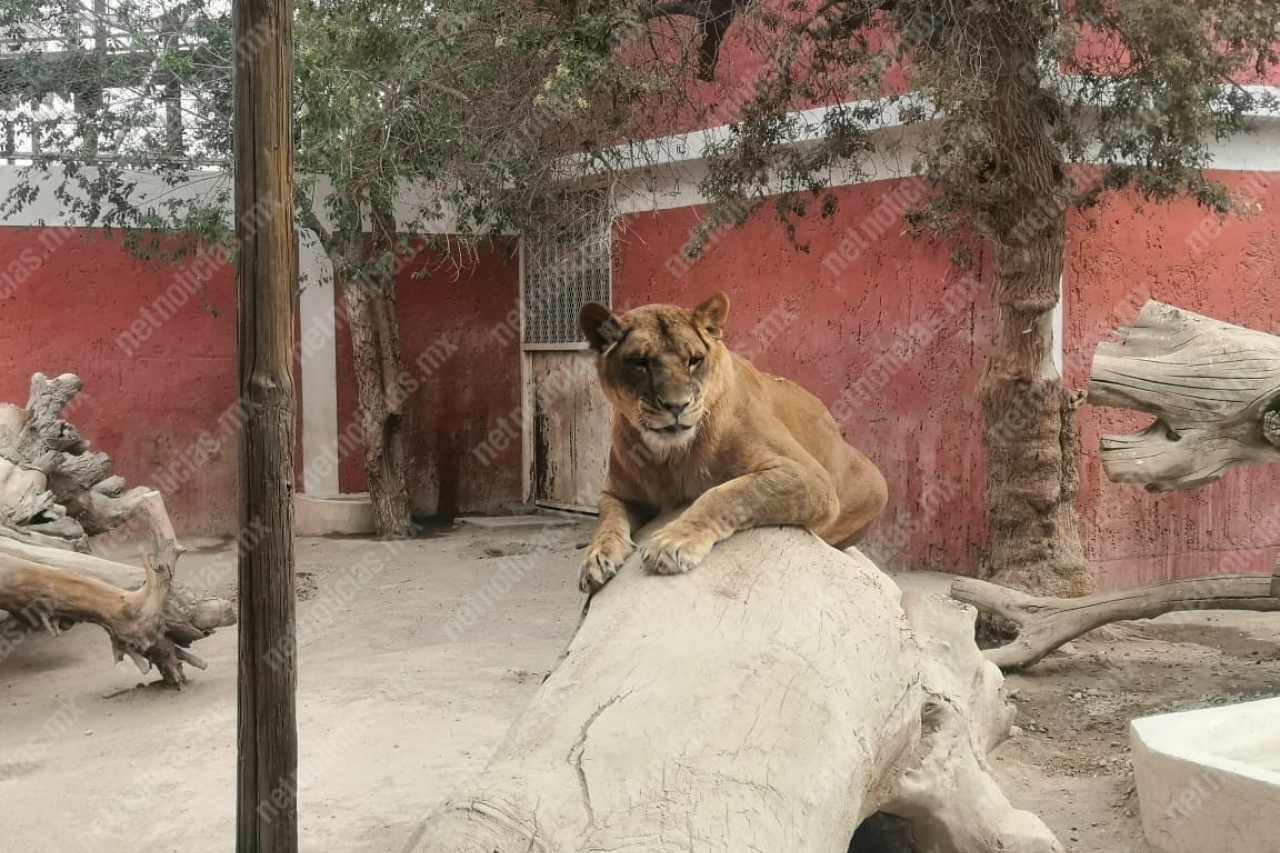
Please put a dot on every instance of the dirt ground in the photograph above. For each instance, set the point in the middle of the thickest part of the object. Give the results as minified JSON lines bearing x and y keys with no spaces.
{"x":397,"y":705}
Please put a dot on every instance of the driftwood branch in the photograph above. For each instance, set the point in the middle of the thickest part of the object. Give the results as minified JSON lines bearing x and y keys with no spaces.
{"x":1044,"y":624}
{"x":54,"y":494}
{"x":1213,"y":387}
{"x":149,"y":618}
{"x":772,"y":699}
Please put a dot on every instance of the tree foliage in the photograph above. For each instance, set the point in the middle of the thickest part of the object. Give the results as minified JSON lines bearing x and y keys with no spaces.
{"x":1134,"y":91}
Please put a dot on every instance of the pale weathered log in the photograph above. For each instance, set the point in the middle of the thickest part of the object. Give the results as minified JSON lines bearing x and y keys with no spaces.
{"x":57,"y":599}
{"x":51,"y":486}
{"x":54,"y":494}
{"x":188,"y":615}
{"x":46,"y":429}
{"x":13,"y":419}
{"x":1213,"y":387}
{"x":148,"y":617}
{"x":772,"y":699}
{"x":34,"y":535}
{"x":1044,"y":624}
{"x":25,"y":495}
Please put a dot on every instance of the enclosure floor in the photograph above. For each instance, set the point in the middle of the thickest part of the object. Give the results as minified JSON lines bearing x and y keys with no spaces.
{"x":395,"y":711}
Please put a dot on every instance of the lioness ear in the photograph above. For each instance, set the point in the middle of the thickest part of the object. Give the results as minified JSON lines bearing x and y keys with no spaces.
{"x":599,"y":325}
{"x":711,"y":314}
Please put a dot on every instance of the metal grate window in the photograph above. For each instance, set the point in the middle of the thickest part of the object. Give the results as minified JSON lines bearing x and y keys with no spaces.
{"x":561,"y":272}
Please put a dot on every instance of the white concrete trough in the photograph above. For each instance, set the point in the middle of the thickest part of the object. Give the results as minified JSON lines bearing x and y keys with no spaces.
{"x":327,"y":515}
{"x":1209,"y":780}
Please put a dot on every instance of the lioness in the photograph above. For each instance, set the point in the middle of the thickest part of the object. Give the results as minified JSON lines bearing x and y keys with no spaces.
{"x":697,"y":424}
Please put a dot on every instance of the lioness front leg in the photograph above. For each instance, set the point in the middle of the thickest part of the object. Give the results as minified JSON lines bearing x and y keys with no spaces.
{"x":610,"y":545}
{"x":785,"y":493}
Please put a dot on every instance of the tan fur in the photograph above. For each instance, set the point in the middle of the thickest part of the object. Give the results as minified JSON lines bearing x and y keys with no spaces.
{"x":754,"y":450}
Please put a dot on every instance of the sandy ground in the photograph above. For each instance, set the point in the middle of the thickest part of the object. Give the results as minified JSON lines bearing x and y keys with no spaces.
{"x":397,"y":706}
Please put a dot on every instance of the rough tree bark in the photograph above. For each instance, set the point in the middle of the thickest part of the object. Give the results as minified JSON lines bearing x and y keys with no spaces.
{"x":362,"y":268}
{"x":266,"y":314}
{"x":1028,"y":416}
{"x":54,"y":494}
{"x":1215,"y":391}
{"x":772,"y":699}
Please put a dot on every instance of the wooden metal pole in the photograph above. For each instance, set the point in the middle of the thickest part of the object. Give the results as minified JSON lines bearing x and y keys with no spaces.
{"x":266,"y":276}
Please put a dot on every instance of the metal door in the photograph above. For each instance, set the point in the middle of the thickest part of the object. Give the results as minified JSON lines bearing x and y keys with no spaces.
{"x":567,"y":417}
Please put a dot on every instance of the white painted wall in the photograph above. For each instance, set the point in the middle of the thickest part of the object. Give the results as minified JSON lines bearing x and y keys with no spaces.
{"x":319,"y":362}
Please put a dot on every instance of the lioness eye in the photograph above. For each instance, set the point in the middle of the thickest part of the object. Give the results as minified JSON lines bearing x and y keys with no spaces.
{"x":694,"y":361}
{"x":640,"y":363}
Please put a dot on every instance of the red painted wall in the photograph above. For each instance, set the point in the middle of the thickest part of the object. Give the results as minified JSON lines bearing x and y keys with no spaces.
{"x":459,"y":335}
{"x":886,"y":331}
{"x":163,"y":404}
{"x":1119,"y":255}
{"x":835,"y":327}
{"x":154,"y":404}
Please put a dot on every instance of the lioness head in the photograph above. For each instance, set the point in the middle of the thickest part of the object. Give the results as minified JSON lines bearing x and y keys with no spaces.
{"x":660,"y":365}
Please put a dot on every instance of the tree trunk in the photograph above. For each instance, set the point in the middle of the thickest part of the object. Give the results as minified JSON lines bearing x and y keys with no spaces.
{"x":1213,"y":387}
{"x":371,"y":312}
{"x":1028,"y":432}
{"x":366,"y":270}
{"x":772,"y":699}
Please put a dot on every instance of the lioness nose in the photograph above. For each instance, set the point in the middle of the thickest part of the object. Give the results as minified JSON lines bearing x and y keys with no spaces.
{"x":675,"y":407}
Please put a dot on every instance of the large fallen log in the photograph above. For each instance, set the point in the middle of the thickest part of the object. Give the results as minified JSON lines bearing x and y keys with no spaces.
{"x":54,"y":495}
{"x":149,"y":619}
{"x":772,"y":699}
{"x":186,"y":614}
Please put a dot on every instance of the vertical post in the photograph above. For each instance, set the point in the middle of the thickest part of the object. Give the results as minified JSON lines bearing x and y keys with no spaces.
{"x":266,"y":279}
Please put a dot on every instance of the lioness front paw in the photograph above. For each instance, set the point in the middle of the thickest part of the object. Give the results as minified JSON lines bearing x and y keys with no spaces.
{"x":676,"y":549}
{"x":601,"y":562}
